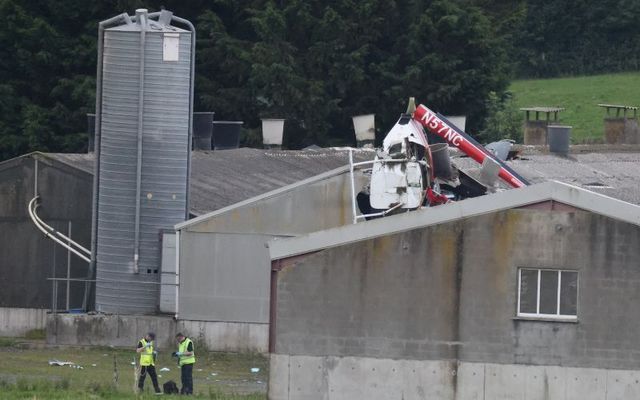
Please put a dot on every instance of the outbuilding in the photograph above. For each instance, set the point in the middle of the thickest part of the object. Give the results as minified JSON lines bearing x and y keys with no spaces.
{"x":527,"y":293}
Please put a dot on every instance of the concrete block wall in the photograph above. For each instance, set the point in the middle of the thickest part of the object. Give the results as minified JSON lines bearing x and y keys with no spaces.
{"x":15,"y":322}
{"x":109,"y":330}
{"x":347,"y":378}
{"x":125,"y":330}
{"x":449,"y":292}
{"x":229,"y":336}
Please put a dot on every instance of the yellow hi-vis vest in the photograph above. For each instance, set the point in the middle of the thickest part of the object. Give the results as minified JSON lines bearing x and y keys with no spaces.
{"x":146,"y":355}
{"x":182,"y":347}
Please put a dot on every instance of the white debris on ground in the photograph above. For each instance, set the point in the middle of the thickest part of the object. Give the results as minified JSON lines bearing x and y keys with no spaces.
{"x":254,"y":370}
{"x":164,"y":369}
{"x":59,"y":363}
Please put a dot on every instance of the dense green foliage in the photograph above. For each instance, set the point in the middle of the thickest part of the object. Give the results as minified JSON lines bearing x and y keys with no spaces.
{"x":577,"y":37}
{"x":315,"y":63}
{"x":504,"y":120}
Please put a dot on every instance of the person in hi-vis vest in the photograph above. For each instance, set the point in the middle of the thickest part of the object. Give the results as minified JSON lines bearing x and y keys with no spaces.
{"x":147,"y":361}
{"x":186,"y":357}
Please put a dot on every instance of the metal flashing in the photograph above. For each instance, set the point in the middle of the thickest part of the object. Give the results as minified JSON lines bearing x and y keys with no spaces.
{"x":551,"y":190}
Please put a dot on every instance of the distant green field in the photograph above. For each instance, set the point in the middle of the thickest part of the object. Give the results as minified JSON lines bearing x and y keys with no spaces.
{"x":580,"y":96}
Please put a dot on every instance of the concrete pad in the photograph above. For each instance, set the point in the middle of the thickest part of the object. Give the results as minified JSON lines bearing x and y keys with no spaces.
{"x":348,"y":379}
{"x":307,"y":378}
{"x":505,"y":382}
{"x":544,"y":383}
{"x":278,"y":377}
{"x":428,"y":380}
{"x":623,"y":385}
{"x":470,"y":381}
{"x":586,"y":384}
{"x":370,"y":378}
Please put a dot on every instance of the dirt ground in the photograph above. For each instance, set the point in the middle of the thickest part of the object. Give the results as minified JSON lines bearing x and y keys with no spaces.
{"x":103,"y":372}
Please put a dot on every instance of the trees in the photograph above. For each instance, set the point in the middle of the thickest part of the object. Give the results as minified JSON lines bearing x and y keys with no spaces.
{"x":317,"y":63}
{"x":578,"y":37}
{"x":314,"y":62}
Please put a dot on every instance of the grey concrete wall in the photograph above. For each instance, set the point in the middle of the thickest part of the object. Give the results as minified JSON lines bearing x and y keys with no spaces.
{"x":338,"y":378}
{"x":224,"y":262}
{"x":448,"y":292}
{"x":224,"y":277}
{"x":229,"y":336}
{"x":306,"y":208}
{"x":28,"y":258}
{"x":19,"y":321}
{"x":126,"y":330}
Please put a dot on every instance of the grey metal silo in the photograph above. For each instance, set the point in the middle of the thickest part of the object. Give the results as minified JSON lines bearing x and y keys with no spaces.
{"x":143,"y":134}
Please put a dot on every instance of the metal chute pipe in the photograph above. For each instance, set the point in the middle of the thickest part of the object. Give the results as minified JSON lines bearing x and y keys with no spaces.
{"x":32,"y":214}
{"x":38,"y":221}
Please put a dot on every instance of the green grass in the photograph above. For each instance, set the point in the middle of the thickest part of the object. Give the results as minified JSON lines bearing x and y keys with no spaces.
{"x":26,"y":374}
{"x":580,"y":96}
{"x":36,"y":334}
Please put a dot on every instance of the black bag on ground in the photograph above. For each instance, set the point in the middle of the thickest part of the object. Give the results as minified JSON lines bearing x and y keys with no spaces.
{"x":170,"y":387}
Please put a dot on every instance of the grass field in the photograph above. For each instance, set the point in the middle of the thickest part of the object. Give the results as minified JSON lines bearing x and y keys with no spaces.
{"x":580,"y":96}
{"x":25,"y":373}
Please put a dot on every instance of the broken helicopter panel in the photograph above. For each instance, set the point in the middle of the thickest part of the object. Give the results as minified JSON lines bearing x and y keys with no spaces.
{"x":408,"y":173}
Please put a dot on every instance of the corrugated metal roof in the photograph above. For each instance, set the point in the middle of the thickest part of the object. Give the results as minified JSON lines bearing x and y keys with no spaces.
{"x":225,"y":177}
{"x":612,"y":174}
{"x":222,"y":178}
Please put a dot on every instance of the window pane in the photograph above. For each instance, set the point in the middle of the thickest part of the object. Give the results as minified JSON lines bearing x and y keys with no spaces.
{"x":549,"y":292}
{"x":528,"y":290}
{"x":569,"y":293}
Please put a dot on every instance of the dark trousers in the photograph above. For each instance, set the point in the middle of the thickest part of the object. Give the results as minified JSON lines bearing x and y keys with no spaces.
{"x":151,"y":370}
{"x":186,"y":374}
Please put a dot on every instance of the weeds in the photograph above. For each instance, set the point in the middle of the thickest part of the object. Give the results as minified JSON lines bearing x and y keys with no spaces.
{"x":36,"y":334}
{"x":215,"y":394}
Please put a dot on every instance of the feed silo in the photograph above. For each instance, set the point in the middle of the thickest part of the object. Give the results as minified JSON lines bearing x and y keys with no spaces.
{"x":144,"y":103}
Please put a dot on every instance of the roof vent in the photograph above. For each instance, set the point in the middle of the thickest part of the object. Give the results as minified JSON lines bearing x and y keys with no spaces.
{"x":91,"y":130}
{"x":226,"y":134}
{"x":365,"y":128}
{"x":272,"y":133}
{"x":202,"y":130}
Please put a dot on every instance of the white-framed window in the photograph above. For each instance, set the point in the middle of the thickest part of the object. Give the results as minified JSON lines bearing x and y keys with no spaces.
{"x":548,"y":293}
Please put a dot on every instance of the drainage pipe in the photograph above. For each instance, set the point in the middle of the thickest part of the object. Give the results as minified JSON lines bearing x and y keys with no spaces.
{"x":353,"y":188}
{"x":141,"y":19}
{"x":191,"y":28}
